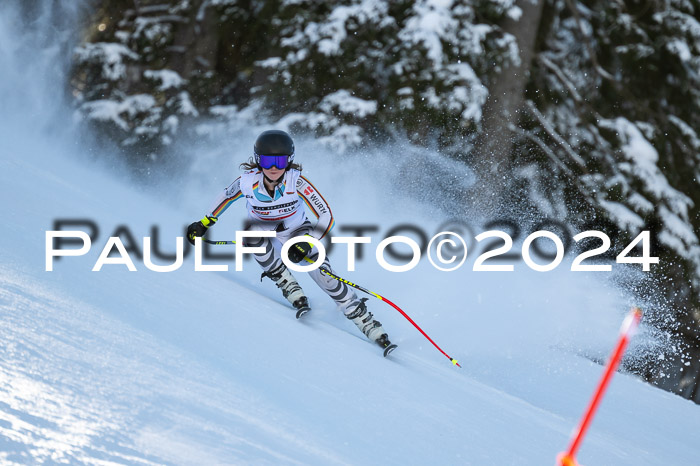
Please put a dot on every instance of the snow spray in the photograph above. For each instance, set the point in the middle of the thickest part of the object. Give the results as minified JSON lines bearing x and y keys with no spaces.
{"x":629,"y":325}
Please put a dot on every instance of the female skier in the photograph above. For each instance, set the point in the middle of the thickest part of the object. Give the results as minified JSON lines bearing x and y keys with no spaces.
{"x":275,"y":192}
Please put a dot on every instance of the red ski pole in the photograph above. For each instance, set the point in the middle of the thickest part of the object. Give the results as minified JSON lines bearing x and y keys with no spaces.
{"x":365,"y":290}
{"x":627,"y":329}
{"x":382,"y":298}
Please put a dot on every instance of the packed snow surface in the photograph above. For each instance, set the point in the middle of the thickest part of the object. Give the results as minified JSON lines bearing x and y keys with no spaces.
{"x":199,"y":368}
{"x":212,"y":367}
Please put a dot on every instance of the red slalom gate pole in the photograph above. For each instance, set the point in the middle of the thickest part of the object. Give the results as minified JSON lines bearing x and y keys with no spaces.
{"x":629,"y":325}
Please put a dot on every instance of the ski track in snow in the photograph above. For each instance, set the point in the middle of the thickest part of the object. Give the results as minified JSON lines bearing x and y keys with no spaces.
{"x":75,"y":384}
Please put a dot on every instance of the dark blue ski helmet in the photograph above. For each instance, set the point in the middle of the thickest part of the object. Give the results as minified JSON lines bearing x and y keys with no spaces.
{"x":274,"y":142}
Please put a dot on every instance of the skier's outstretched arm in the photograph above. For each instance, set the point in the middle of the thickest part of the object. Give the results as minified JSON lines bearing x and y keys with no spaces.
{"x":318,"y":206}
{"x":227,"y":197}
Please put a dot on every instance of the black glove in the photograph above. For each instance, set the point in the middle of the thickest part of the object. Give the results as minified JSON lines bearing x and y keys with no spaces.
{"x":199,"y":228}
{"x":298,"y":252}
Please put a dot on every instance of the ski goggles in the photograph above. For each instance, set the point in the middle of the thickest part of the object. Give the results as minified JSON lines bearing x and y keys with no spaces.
{"x":268,"y":161}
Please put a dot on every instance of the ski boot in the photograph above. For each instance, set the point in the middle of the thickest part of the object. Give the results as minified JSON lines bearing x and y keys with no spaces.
{"x":291,"y":290}
{"x":371,"y":328}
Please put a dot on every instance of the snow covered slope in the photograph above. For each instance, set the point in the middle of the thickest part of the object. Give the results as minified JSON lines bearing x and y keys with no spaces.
{"x":206,"y":368}
{"x":212,"y":368}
